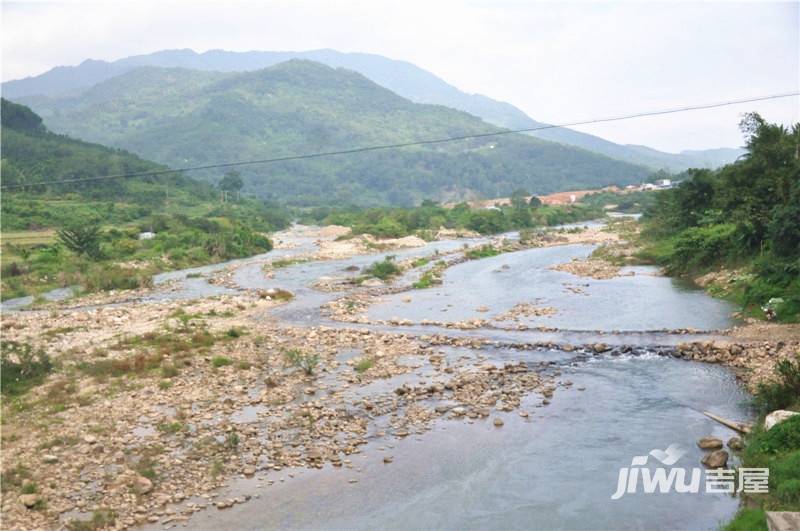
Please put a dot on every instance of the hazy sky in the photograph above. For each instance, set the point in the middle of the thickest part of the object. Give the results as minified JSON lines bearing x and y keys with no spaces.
{"x":557,"y":61}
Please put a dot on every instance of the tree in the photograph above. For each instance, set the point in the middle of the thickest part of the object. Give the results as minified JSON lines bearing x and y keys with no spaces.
{"x":82,"y":239}
{"x":535,"y":202}
{"x":231,"y":182}
{"x":518,"y":199}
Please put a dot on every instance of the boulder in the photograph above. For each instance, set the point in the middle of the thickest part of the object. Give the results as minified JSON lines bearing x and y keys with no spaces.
{"x":777,"y":417}
{"x":710,"y":443}
{"x":600,"y":347}
{"x":716,"y":459}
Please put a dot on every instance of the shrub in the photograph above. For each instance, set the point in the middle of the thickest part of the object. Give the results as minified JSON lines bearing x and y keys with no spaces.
{"x":784,"y":391}
{"x":220,"y":361}
{"x":22,"y":367}
{"x":427,"y":280}
{"x":484,"y":251}
{"x":383,"y":270}
{"x":302,"y":360}
{"x":231,"y":440}
{"x":110,"y":277}
{"x":82,"y":238}
{"x":364,"y":364}
{"x":700,"y":247}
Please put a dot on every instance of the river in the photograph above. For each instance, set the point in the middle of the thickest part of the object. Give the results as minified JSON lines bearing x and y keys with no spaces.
{"x":556,"y":469}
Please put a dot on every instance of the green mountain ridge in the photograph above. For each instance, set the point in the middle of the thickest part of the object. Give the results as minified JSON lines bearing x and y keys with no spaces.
{"x":401,"y":77}
{"x":183,"y":117}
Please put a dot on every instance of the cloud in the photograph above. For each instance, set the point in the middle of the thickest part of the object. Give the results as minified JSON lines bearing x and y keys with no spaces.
{"x":558,"y":62}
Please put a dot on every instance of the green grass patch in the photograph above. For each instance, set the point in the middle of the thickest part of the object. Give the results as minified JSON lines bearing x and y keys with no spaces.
{"x":221,"y":361}
{"x":364,"y":365}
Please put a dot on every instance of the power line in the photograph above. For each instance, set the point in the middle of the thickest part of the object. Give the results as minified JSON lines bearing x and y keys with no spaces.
{"x":407,"y":144}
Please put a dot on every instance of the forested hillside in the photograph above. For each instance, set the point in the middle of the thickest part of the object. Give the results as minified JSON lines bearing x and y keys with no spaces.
{"x":183,"y":118}
{"x":401,"y":77}
{"x":58,"y":235}
{"x":744,"y":218}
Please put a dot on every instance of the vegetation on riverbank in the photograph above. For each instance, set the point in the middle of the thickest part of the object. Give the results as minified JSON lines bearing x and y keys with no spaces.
{"x":777,"y":449}
{"x":743,"y":218}
{"x":186,"y":222}
{"x":426,"y":219}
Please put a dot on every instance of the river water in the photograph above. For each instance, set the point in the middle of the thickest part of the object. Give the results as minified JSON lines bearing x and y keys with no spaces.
{"x":555,"y":470}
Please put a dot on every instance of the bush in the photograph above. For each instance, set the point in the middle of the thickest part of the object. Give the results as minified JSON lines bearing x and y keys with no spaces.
{"x":220,"y":361}
{"x":784,"y":391}
{"x":700,"y":247}
{"x":302,"y":360}
{"x":384,"y":269}
{"x":364,"y":364}
{"x":484,"y":251}
{"x":783,"y":437}
{"x":108,"y":277}
{"x":22,"y":367}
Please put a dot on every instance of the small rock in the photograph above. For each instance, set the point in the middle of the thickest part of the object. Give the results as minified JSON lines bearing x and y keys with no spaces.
{"x":735,"y":443}
{"x":498,"y":422}
{"x":710,"y":443}
{"x":388,"y":459}
{"x":142,"y":485}
{"x":482,"y":309}
{"x":50,"y":459}
{"x":89,"y":439}
{"x":249,"y":470}
{"x":716,"y":459}
{"x":28,"y":500}
{"x":600,"y":347}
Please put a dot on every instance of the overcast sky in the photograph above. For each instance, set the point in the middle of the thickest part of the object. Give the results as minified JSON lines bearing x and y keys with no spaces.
{"x":558,"y":62}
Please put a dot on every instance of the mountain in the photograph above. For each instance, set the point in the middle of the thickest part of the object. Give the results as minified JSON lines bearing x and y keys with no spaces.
{"x":32,"y":155}
{"x":403,"y":78}
{"x":183,"y":117}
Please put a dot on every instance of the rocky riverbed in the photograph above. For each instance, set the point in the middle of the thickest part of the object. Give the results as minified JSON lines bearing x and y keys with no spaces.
{"x":155,"y":404}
